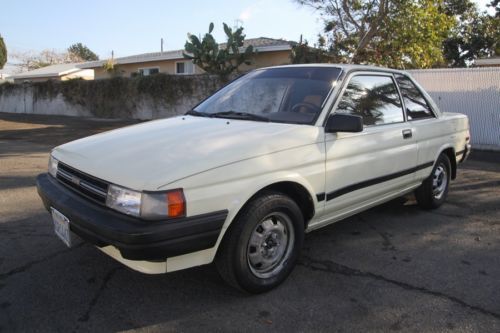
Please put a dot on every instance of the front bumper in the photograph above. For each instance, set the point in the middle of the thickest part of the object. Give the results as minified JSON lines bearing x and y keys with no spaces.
{"x":136,"y":239}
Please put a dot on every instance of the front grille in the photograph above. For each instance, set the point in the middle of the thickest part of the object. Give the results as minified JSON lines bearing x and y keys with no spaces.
{"x":86,"y":185}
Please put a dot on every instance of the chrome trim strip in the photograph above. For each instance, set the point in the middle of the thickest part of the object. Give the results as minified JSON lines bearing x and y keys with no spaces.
{"x":81,"y":183}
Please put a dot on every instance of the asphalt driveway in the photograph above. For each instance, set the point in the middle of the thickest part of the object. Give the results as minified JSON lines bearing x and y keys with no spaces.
{"x":392,"y":268}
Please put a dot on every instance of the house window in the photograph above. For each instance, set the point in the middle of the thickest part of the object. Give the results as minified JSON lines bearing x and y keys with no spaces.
{"x":148,"y":71}
{"x":184,"y":67}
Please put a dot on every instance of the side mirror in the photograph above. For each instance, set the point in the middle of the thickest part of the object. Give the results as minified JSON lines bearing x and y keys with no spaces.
{"x":339,"y":122}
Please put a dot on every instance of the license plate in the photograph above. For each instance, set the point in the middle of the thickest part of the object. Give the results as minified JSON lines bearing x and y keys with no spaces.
{"x":61,"y":227}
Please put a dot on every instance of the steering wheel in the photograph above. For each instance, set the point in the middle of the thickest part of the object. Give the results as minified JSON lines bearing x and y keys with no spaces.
{"x":310,"y":108}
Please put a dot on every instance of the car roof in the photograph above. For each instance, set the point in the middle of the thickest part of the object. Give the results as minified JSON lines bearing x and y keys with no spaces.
{"x":347,"y":67}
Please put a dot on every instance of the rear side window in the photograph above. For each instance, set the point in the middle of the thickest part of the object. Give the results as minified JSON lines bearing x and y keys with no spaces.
{"x":416,"y":105}
{"x":373,"y":97}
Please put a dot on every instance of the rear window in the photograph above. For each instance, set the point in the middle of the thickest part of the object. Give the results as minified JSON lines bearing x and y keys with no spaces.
{"x":416,"y":105}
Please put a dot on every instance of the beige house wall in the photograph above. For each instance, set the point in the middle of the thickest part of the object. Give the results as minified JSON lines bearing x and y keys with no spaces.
{"x":85,"y":74}
{"x":263,"y":59}
{"x":127,"y":70}
{"x":266,"y":59}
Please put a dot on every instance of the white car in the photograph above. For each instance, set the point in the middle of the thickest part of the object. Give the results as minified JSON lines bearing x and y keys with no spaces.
{"x":240,"y":178}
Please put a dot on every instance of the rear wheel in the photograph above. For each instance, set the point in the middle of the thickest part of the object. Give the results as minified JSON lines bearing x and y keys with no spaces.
{"x":434,"y":190}
{"x":262,"y":245}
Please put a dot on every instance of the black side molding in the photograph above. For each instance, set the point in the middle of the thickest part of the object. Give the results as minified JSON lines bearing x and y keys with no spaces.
{"x":320,"y":196}
{"x":374,"y":181}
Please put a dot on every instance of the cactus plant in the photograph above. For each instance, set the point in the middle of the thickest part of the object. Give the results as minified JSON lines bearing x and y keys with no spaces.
{"x":219,"y":59}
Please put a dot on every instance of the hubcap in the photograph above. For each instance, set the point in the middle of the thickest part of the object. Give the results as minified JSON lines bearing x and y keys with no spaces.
{"x":439,"y":182}
{"x":270,"y":245}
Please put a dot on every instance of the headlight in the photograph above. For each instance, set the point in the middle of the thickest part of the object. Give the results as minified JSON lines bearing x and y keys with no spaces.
{"x":53,"y":166}
{"x":124,"y":200}
{"x":147,"y":205}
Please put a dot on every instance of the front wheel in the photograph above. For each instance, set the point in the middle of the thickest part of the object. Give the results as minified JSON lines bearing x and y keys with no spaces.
{"x":262,"y":245}
{"x":434,"y":190}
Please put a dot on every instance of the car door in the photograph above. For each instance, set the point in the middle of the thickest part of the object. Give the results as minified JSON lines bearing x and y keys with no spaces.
{"x":367,"y":167}
{"x":429,"y":133}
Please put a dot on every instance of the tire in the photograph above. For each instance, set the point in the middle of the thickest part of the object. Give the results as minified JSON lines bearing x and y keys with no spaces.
{"x":262,"y":245}
{"x":434,"y":190}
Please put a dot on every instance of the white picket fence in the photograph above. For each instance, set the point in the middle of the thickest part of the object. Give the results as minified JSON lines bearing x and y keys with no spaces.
{"x":472,"y":91}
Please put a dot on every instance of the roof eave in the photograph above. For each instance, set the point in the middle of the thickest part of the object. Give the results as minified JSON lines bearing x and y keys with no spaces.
{"x":49,"y":75}
{"x":179,"y":56}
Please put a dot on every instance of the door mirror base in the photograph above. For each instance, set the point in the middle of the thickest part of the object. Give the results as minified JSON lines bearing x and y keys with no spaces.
{"x":339,"y":122}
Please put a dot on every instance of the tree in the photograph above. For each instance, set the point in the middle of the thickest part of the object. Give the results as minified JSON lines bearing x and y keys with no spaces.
{"x":302,"y":53}
{"x":31,"y":60}
{"x":413,"y":35}
{"x":80,"y":52}
{"x":395,"y":33}
{"x":475,"y":35}
{"x":219,"y":59}
{"x":3,"y":53}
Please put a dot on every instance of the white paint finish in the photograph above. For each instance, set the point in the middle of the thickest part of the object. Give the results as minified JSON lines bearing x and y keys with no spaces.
{"x":161,"y":267}
{"x":435,"y":135}
{"x":222,"y":163}
{"x":167,"y":150}
{"x":361,"y":206}
{"x":147,"y":267}
{"x":357,"y":157}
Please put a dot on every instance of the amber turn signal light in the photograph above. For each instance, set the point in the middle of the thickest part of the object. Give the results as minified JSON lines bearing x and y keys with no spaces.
{"x":176,"y":203}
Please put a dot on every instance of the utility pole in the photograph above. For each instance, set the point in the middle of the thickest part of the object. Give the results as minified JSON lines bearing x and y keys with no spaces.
{"x":161,"y":47}
{"x":238,"y":23}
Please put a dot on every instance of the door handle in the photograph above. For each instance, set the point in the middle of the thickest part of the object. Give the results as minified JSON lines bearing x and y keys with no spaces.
{"x":407,"y":134}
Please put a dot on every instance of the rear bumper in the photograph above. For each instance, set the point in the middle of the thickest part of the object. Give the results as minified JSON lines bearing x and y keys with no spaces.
{"x":463,"y":154}
{"x":134,"y":238}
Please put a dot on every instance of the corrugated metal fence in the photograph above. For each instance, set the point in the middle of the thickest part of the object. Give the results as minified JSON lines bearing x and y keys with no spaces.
{"x":472,"y":91}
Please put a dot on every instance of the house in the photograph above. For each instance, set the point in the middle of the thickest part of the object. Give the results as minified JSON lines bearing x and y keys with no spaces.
{"x":269,"y":52}
{"x":59,"y":72}
{"x":4,"y":77}
{"x":488,"y":62}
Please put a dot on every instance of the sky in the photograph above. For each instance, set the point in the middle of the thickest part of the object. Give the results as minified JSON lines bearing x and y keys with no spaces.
{"x":130,"y":27}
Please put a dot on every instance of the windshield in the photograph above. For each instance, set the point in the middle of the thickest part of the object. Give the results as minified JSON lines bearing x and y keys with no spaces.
{"x":288,"y":94}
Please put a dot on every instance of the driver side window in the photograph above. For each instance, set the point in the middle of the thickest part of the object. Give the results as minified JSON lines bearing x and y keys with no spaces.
{"x":373,"y":97}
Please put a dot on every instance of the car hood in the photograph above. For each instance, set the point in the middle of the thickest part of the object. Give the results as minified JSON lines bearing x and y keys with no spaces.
{"x":150,"y":155}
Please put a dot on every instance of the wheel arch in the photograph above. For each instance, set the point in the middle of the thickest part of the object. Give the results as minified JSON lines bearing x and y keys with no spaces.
{"x":450,"y":153}
{"x":296,"y":192}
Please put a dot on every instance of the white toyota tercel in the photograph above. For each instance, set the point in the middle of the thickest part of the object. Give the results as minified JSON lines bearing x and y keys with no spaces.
{"x":240,"y":178}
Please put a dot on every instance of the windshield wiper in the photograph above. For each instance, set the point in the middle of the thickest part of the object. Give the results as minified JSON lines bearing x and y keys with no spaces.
{"x":239,"y":115}
{"x":198,"y":113}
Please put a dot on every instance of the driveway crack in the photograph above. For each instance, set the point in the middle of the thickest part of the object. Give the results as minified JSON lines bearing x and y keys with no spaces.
{"x":332,"y":267}
{"x":30,"y":264}
{"x":386,"y":241}
{"x":86,"y":316}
